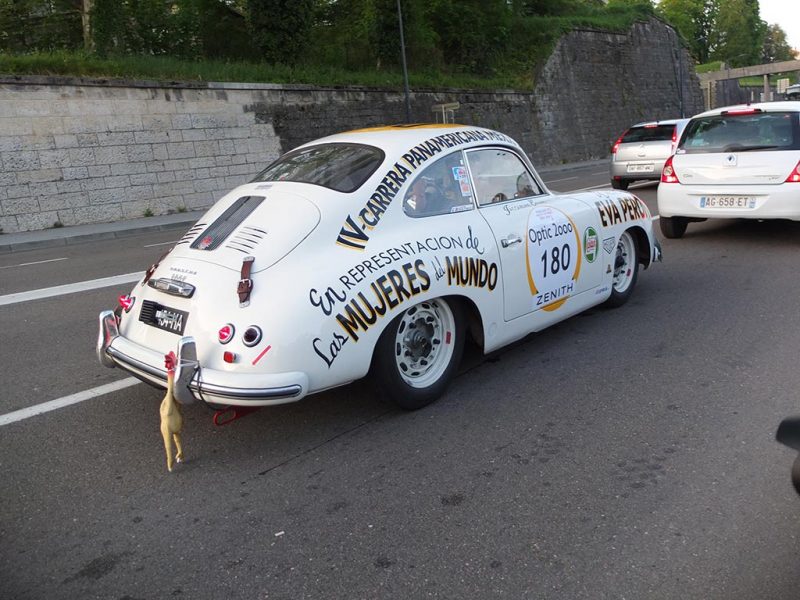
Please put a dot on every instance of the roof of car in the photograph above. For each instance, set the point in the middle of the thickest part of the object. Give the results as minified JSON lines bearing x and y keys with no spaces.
{"x":401,"y":138}
{"x":661,"y":122}
{"x":789,"y":105}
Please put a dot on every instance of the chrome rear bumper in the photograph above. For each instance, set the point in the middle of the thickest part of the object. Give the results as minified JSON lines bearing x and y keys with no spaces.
{"x":192,"y":381}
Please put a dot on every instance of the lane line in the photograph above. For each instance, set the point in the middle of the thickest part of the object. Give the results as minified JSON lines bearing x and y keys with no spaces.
{"x":159,"y":244}
{"x":70,"y":288}
{"x":38,"y":262}
{"x":45,"y":407}
{"x":599,"y":173}
{"x":593,"y":187}
{"x":556,"y":180}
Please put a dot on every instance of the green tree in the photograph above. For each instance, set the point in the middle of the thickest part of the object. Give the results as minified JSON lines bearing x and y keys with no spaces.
{"x":152,"y":27}
{"x":775,"y":48}
{"x":695,"y":20}
{"x":739,"y":33}
{"x":280,"y":28}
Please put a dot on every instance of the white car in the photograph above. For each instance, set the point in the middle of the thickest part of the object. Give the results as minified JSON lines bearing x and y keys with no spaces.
{"x":733,"y":162}
{"x":379,"y":249}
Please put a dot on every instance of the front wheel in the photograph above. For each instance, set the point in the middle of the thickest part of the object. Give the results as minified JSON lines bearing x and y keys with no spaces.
{"x":626,"y":270}
{"x":673,"y":227}
{"x":418,"y":353}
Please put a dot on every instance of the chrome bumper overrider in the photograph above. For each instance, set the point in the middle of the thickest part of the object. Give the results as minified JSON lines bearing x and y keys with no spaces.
{"x":192,"y":381}
{"x":657,"y":254}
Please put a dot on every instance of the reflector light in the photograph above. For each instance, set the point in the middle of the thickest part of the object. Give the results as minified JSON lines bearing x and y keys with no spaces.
{"x":225,"y":333}
{"x":668,"y":174}
{"x":794,"y":176}
{"x":229,"y":357}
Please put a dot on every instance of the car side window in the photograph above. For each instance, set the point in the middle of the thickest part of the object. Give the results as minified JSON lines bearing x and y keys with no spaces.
{"x":441,"y":188}
{"x":499,"y":175}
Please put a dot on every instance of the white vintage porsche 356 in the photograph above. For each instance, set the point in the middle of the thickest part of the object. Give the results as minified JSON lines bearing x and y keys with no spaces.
{"x":378,"y":250}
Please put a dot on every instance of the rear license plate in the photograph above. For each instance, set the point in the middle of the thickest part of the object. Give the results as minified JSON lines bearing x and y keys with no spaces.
{"x":727,"y":202}
{"x":163,"y":317}
{"x":640,"y":168}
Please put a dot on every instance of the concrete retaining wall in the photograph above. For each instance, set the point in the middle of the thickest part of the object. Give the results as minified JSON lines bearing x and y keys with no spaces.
{"x":83,"y":151}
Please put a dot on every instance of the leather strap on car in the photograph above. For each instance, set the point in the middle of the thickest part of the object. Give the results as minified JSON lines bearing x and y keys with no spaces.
{"x":245,"y":283}
{"x":149,"y":273}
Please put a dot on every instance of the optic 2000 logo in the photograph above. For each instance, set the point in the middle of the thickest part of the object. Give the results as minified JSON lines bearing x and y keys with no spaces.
{"x":553,"y":257}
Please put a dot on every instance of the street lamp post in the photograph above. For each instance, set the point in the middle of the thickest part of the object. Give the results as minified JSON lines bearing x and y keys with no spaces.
{"x":405,"y":69}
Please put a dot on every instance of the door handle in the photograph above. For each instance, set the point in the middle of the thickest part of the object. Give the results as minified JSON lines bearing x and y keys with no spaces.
{"x":510,"y":241}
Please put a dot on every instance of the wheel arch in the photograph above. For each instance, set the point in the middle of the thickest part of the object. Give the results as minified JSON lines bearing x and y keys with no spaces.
{"x":644,"y":251}
{"x":473,"y":316}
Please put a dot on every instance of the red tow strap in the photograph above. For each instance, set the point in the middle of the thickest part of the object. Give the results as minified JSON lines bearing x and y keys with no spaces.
{"x":229,"y":414}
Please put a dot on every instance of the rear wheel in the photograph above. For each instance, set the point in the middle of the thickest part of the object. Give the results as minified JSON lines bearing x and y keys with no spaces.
{"x":673,"y":227}
{"x":418,"y":354}
{"x":620,"y":184}
{"x":626,"y":270}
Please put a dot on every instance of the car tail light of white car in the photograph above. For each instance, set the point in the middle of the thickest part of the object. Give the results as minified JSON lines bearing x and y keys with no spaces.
{"x":668,"y":174}
{"x":794,"y":176}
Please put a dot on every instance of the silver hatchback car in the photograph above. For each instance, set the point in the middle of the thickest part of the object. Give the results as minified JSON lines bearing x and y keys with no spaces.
{"x":640,"y":152}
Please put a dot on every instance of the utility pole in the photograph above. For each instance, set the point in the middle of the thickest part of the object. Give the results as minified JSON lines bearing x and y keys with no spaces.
{"x":405,"y":68}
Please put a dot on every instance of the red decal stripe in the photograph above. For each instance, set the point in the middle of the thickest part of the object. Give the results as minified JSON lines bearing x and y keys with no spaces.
{"x":260,"y":356}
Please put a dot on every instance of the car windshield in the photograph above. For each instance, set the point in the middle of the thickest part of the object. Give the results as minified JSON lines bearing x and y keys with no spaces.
{"x":742,"y":132}
{"x":340,"y":167}
{"x":648,"y":133}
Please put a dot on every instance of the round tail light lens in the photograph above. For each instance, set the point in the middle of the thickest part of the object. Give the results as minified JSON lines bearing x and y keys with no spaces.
{"x":225,"y":333}
{"x":252,"y":336}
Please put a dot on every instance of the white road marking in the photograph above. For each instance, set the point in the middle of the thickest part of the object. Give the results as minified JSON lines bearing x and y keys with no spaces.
{"x":599,"y":173}
{"x":555,"y":180}
{"x":593,"y":187}
{"x":44,"y":407}
{"x":70,"y":288}
{"x":38,"y":262}
{"x":159,"y":244}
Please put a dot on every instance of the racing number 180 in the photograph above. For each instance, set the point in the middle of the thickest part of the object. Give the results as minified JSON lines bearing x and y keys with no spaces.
{"x":559,"y":260}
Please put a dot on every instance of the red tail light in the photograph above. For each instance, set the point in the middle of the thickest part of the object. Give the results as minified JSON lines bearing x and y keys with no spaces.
{"x":615,"y":147}
{"x":794,"y":176}
{"x":674,"y":139}
{"x":668,"y":174}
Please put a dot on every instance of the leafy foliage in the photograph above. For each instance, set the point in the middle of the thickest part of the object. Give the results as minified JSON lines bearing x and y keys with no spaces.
{"x":448,"y":42}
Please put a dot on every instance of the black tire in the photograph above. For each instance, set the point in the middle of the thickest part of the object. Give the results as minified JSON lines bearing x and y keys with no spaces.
{"x":626,"y":270}
{"x":420,"y":333}
{"x":673,"y":227}
{"x":620,"y":184}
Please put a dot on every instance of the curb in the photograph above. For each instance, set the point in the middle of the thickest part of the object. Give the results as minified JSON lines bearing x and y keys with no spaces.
{"x":68,"y":236}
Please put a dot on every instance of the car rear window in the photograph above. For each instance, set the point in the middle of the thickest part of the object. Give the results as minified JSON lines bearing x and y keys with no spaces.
{"x":648,"y":133}
{"x":340,"y":167}
{"x":742,"y":132}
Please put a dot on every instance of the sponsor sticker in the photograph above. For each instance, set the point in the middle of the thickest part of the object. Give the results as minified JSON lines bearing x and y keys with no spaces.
{"x":590,"y":243}
{"x":609,"y":244}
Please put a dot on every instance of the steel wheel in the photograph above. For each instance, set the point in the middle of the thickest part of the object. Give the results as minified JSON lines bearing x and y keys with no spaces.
{"x":624,"y":263}
{"x":626,"y":269}
{"x":418,"y":353}
{"x":422,"y":343}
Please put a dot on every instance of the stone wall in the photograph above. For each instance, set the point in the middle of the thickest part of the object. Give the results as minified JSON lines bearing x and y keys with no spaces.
{"x":76,"y":151}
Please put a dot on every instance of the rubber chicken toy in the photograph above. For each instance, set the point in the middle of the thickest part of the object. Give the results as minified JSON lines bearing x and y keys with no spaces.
{"x":171,"y":418}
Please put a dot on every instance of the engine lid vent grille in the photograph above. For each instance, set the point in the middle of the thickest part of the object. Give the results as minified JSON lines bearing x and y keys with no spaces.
{"x":227,"y":222}
{"x":189,"y":236}
{"x":246,"y":239}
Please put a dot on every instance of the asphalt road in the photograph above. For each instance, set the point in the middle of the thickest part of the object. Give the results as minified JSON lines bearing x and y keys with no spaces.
{"x":623,"y":453}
